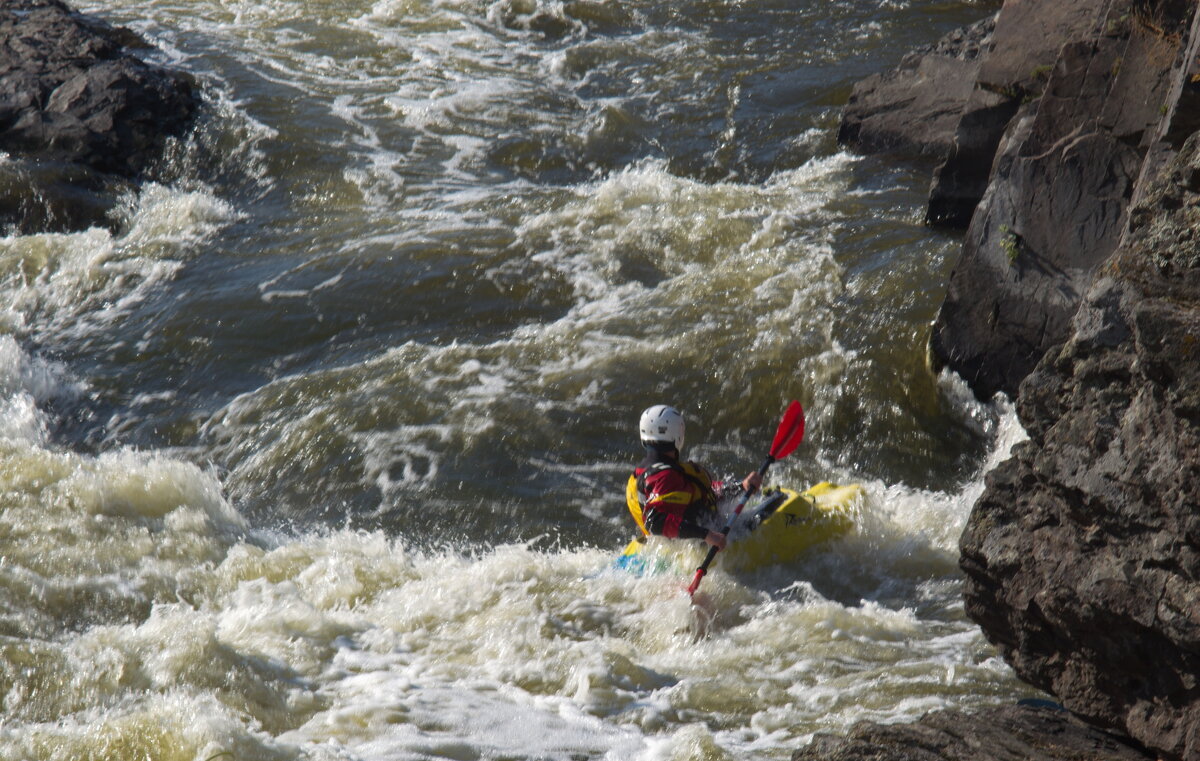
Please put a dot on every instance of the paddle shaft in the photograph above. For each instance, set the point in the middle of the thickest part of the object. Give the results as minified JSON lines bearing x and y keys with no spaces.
{"x":787,"y":437}
{"x":712,"y":551}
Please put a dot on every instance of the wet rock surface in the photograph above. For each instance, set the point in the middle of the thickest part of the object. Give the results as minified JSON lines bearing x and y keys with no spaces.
{"x":79,"y":113}
{"x":1012,"y":733}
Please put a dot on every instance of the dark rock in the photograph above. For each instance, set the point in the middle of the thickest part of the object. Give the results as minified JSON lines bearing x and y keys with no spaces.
{"x":1025,"y":45}
{"x":1083,"y":554}
{"x":916,"y":108}
{"x":1181,"y":106}
{"x":1077,"y":161}
{"x":72,"y":93}
{"x":962,"y":178}
{"x":1014,"y":733}
{"x":1055,"y":206}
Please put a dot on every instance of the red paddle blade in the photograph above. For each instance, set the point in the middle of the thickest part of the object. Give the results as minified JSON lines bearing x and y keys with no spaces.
{"x":790,"y":432}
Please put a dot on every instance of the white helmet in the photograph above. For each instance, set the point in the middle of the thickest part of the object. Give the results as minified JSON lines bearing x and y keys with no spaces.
{"x":662,"y":424}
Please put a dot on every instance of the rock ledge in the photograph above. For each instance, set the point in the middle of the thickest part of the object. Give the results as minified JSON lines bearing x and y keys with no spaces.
{"x":80,"y":114}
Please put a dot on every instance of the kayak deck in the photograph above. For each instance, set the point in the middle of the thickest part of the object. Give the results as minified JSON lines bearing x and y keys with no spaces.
{"x":783,"y":525}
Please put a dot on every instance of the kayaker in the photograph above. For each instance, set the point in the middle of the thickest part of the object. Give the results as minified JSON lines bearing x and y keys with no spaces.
{"x":671,"y":497}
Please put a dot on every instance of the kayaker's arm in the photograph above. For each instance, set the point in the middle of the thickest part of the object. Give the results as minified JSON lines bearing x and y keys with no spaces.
{"x":752,"y":481}
{"x":725,"y":489}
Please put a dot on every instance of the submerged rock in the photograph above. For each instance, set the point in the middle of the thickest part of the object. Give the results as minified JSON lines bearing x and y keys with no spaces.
{"x":40,"y":196}
{"x":1014,"y":733}
{"x":73,"y":95}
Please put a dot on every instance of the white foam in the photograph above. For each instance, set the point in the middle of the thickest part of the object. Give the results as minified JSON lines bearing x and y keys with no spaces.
{"x":21,"y":421}
{"x":995,"y":419}
{"x":917,"y":530}
{"x":81,"y":283}
{"x":356,"y":645}
{"x":25,"y":383}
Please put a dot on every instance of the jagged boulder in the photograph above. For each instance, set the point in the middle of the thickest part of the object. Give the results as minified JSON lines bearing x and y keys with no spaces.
{"x":1083,"y":554}
{"x":1025,"y":44}
{"x":1044,"y":114}
{"x":916,"y":107}
{"x":76,"y":102}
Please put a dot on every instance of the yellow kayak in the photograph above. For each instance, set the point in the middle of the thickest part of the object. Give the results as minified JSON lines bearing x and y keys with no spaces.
{"x":783,"y":525}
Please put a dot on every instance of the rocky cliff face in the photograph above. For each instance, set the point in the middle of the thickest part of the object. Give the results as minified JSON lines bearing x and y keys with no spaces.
{"x":1059,"y":183}
{"x":1079,"y":292}
{"x":1083,"y":554}
{"x":80,"y":115}
{"x":1040,"y":164}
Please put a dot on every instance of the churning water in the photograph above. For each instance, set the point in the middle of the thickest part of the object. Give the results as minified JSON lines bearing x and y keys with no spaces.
{"x":320,"y":452}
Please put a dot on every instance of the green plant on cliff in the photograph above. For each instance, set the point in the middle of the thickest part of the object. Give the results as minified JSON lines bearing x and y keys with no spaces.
{"x":1118,"y":26}
{"x":1012,"y":92}
{"x":1010,"y":243}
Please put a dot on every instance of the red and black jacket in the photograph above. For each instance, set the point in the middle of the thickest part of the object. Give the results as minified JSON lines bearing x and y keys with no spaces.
{"x":672,"y":499}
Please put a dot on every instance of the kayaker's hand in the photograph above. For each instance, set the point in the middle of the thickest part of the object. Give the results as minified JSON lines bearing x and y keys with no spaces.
{"x":715,"y":539}
{"x":754,"y":479}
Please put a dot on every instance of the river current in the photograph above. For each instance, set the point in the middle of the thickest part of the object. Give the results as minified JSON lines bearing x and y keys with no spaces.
{"x":320,"y":452}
